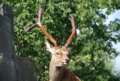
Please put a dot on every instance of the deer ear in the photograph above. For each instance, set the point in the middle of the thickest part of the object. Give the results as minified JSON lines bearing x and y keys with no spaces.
{"x":49,"y":47}
{"x":69,"y":49}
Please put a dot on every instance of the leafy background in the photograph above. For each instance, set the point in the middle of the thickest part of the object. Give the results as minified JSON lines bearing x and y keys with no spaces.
{"x":92,"y":46}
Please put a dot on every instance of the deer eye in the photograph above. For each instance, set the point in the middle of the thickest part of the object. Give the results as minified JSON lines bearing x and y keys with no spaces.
{"x":57,"y":53}
{"x":67,"y":54}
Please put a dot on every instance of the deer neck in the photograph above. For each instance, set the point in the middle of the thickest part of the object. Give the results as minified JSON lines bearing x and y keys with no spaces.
{"x":56,"y":73}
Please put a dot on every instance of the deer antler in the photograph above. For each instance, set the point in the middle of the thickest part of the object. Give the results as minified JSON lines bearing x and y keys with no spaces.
{"x":42,"y":28}
{"x":73,"y":34}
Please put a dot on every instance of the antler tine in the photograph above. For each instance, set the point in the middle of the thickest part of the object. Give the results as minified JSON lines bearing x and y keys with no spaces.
{"x":40,"y":14}
{"x":44,"y":30}
{"x":73,"y":34}
{"x":28,"y":28}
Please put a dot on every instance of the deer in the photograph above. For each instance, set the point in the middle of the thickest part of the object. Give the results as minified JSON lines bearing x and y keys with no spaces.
{"x":57,"y":69}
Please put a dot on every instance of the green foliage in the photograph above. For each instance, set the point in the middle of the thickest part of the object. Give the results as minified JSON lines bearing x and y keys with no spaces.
{"x":91,"y":47}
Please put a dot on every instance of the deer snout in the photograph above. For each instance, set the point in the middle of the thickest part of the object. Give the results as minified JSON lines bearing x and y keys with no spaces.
{"x":67,"y":61}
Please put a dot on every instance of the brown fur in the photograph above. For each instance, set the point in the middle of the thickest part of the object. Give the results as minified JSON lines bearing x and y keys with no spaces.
{"x":67,"y":75}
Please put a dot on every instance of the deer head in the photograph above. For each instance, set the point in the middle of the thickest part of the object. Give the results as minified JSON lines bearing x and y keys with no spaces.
{"x":59,"y":54}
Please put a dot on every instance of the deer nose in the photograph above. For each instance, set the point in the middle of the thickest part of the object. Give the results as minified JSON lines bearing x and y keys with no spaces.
{"x":67,"y":60}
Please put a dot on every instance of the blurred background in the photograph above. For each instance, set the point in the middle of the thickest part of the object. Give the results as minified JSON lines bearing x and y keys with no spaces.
{"x":95,"y":54}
